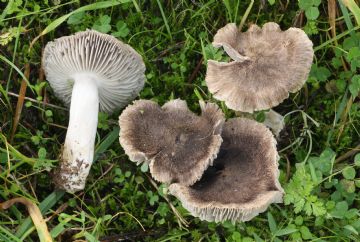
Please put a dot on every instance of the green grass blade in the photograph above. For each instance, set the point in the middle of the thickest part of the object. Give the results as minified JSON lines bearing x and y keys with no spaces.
{"x":44,"y":206}
{"x":246,"y":14}
{"x":165,"y":19}
{"x":338,"y":113}
{"x":272,"y":223}
{"x":90,"y":7}
{"x":7,"y":61}
{"x":95,"y":6}
{"x":339,"y":36}
{"x":6,"y":235}
{"x":354,"y":8}
{"x":108,"y":141}
{"x":228,"y":10}
{"x":137,"y":7}
{"x":4,"y":94}
{"x":347,"y":18}
{"x":14,"y":53}
{"x":204,"y":7}
{"x":4,"y":13}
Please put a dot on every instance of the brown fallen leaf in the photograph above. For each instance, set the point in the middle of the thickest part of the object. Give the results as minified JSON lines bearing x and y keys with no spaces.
{"x":35,"y":215}
{"x":20,"y":102}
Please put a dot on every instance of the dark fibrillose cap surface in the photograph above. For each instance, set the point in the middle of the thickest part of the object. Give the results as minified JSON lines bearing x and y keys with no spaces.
{"x":117,"y":68}
{"x":178,"y":144}
{"x":267,"y":64}
{"x":243,"y":180}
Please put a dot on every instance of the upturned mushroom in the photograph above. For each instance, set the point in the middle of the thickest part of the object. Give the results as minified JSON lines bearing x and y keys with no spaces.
{"x":243,"y":180}
{"x":89,"y":71}
{"x":177,"y":144}
{"x":267,"y":64}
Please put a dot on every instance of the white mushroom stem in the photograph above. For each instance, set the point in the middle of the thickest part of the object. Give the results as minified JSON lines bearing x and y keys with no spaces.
{"x":78,"y":150}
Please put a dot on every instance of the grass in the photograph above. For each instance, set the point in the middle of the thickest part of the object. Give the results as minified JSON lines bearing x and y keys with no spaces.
{"x":318,"y":161}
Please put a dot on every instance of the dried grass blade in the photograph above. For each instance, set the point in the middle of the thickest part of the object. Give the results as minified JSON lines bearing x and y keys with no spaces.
{"x":20,"y":102}
{"x":35,"y":215}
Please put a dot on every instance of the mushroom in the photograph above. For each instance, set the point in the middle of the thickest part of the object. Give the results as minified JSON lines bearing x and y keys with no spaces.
{"x":267,"y":64}
{"x":89,"y":71}
{"x":243,"y":180}
{"x":177,"y":144}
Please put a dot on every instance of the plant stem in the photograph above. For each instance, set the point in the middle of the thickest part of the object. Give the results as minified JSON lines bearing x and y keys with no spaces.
{"x":246,"y":14}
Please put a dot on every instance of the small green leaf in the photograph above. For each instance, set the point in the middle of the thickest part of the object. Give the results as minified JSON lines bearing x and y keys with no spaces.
{"x":139,"y":179}
{"x":354,"y":86}
{"x":357,"y":183}
{"x":285,"y":231}
{"x":299,"y":220}
{"x":103,"y":24}
{"x":48,"y":113}
{"x":349,"y":172}
{"x":312,"y":13}
{"x":354,"y":53}
{"x":357,"y":159}
{"x":305,"y":233}
{"x":348,"y":185}
{"x":351,"y":213}
{"x":342,"y":206}
{"x":351,"y":229}
{"x":76,"y":18}
{"x":321,"y":73}
{"x":28,"y":104}
{"x":318,"y":208}
{"x":144,"y":167}
{"x":305,"y":4}
{"x":153,"y":199}
{"x":236,"y":236}
{"x":122,"y":29}
{"x":162,"y":209}
{"x":316,"y":3}
{"x":127,"y":173}
{"x":42,"y":153}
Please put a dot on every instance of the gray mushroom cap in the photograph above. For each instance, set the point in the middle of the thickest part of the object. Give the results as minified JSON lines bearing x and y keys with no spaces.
{"x":178,"y":144}
{"x":267,"y":64}
{"x":117,"y":68}
{"x":243,"y":180}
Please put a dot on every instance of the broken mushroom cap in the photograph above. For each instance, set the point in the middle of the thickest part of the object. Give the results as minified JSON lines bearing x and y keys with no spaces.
{"x":243,"y":180}
{"x":89,"y":70}
{"x":267,"y":64}
{"x":177,"y":144}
